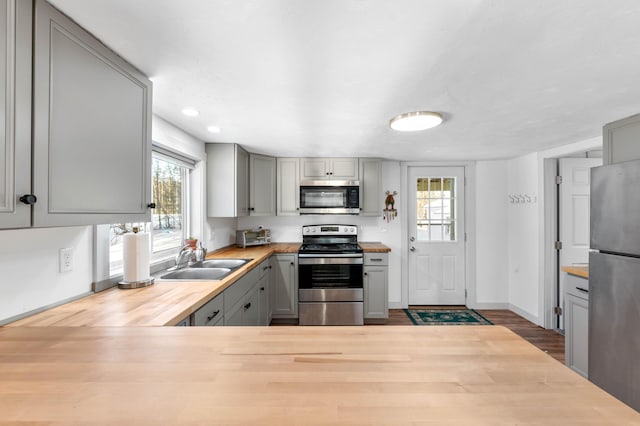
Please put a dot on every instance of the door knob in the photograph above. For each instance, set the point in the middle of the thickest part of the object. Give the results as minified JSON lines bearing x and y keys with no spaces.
{"x":412,"y":239}
{"x":412,"y":248}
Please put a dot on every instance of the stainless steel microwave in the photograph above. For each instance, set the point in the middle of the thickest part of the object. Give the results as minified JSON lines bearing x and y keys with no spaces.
{"x":330,"y":197}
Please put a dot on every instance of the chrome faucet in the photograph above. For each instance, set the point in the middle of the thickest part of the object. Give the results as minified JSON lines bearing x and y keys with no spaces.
{"x":184,"y":257}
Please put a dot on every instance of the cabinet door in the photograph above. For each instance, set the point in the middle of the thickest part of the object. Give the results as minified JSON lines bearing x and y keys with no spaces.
{"x":284,"y":286}
{"x":251,"y":308}
{"x":370,"y":187}
{"x":577,"y":334}
{"x":262,"y":185}
{"x":91,"y":128}
{"x":235,"y":315}
{"x":314,"y":168}
{"x":376,"y":293}
{"x":288,"y":193}
{"x":265,"y":300}
{"x":621,"y":140}
{"x":15,"y":112}
{"x":344,"y":168}
{"x":210,"y":313}
{"x":242,"y":181}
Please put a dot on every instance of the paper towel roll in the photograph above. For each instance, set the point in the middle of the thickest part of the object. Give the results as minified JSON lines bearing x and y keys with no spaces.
{"x":136,"y":257}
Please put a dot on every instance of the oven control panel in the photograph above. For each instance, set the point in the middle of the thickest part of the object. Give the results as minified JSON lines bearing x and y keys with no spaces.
{"x":330,"y":230}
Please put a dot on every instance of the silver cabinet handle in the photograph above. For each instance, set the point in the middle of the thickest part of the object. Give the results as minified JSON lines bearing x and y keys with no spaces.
{"x":412,"y":248}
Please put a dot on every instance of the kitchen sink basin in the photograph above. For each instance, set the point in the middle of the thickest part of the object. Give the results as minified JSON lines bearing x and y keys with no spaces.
{"x":220,"y":263}
{"x":205,"y":273}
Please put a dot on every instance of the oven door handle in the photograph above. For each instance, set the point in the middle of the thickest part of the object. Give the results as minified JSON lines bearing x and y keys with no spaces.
{"x":325,"y":260}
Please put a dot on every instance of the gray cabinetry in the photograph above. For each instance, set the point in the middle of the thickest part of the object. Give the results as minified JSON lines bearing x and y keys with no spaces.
{"x":288,"y":187}
{"x":91,"y":128}
{"x":246,"y":311}
{"x":376,"y":286}
{"x":284,"y":286}
{"x":264,"y":288}
{"x":262,"y":185}
{"x":15,"y":112}
{"x":576,"y":317}
{"x":211,"y":314}
{"x":329,"y":168}
{"x":227,"y":180}
{"x":621,"y":140}
{"x":370,"y":187}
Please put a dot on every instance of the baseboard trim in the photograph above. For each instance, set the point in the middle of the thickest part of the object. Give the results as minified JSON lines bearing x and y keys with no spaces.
{"x":524,"y":314}
{"x":489,"y":305}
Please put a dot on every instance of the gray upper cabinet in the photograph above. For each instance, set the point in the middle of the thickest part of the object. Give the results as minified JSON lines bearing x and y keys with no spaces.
{"x":621,"y":140}
{"x":370,"y":187}
{"x":227,"y":180}
{"x":329,"y":168}
{"x":288,"y":187}
{"x":91,"y":128}
{"x":15,"y":112}
{"x":262,"y":185}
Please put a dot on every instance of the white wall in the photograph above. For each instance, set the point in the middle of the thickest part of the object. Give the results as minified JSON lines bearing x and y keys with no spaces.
{"x":492,"y":289}
{"x":29,"y":273}
{"x":523,"y":230}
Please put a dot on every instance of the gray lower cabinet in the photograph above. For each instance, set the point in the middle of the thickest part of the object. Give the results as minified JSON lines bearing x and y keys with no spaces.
{"x":211,"y":314}
{"x":246,"y":311}
{"x":91,"y":128}
{"x":621,"y":140}
{"x":284,"y":285}
{"x":576,"y":323}
{"x":376,"y":286}
{"x":185,"y":322}
{"x":264,"y":288}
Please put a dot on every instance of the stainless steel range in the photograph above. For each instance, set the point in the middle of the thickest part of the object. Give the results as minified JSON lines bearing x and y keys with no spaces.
{"x":330,"y":276}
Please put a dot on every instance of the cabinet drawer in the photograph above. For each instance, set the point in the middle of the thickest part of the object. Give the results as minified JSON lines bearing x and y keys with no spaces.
{"x":263,"y":268}
{"x":210,"y":313}
{"x":578,"y":287}
{"x":376,"y":259}
{"x":241,"y":287}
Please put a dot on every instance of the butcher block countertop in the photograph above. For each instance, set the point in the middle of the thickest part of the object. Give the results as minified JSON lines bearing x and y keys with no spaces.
{"x":163,"y":303}
{"x":579,"y":271}
{"x":374,"y":247}
{"x":467,"y":375}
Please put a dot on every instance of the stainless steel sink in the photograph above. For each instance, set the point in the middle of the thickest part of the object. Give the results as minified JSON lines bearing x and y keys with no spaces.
{"x":207,"y":273}
{"x":220,"y":263}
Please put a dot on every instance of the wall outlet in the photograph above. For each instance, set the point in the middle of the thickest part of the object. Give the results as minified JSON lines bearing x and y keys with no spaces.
{"x":66,"y":259}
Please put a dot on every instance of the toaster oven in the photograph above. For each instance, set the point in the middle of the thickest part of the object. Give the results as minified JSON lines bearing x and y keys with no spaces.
{"x":253,"y":237}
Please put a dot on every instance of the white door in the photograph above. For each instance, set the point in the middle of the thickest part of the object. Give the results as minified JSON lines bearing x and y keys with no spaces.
{"x":436,"y":236}
{"x":573,"y":205}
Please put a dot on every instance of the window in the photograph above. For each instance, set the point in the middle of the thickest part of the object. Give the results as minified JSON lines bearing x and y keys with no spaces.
{"x":436,"y":199}
{"x":169,"y":220}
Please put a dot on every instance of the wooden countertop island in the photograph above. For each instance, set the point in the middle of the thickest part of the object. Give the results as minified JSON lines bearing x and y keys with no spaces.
{"x":291,"y":375}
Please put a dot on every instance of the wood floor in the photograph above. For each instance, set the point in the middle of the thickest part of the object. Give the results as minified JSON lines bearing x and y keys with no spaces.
{"x":549,"y":341}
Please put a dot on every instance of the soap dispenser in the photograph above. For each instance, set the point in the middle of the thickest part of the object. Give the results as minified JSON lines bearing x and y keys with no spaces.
{"x":200,"y":252}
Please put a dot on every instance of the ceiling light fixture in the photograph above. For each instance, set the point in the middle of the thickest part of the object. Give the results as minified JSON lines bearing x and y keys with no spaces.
{"x":214,"y":129}
{"x":416,"y":120}
{"x":191,"y":112}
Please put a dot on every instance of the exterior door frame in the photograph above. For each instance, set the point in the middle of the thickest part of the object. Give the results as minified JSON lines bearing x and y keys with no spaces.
{"x":469,"y":222}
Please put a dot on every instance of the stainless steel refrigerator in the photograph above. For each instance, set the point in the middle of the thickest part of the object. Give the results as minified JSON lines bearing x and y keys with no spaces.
{"x":614,"y":281}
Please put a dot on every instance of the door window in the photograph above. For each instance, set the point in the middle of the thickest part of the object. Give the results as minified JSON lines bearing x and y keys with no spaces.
{"x":436,"y":209}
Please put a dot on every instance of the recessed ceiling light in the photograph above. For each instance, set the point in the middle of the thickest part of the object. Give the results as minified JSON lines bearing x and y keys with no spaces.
{"x":416,"y":120}
{"x":191,"y":112}
{"x":214,"y":129}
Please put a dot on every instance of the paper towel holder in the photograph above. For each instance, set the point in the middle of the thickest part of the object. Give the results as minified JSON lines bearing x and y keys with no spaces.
{"x":136,"y":284}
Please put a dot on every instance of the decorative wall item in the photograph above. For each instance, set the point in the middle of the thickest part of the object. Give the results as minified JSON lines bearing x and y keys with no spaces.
{"x":389,"y":212}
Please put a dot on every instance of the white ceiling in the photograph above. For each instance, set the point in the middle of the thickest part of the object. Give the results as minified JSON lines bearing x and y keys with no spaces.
{"x":323,"y":77}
